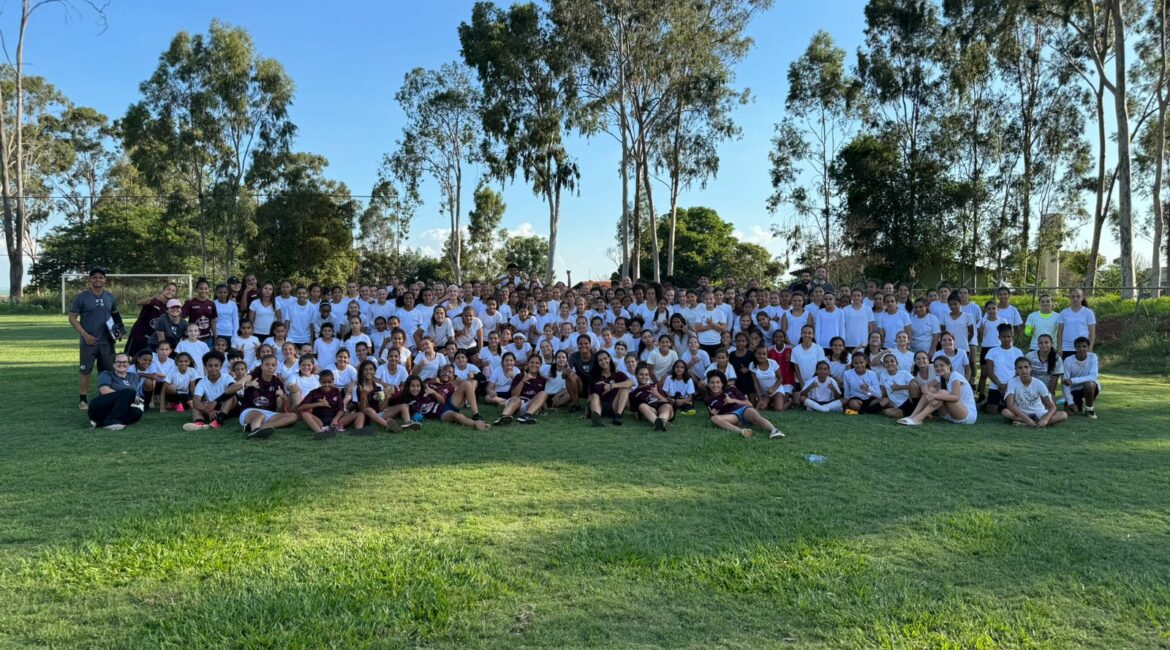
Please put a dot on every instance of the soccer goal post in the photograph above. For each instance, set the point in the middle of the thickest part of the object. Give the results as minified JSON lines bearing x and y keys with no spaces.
{"x":128,"y":287}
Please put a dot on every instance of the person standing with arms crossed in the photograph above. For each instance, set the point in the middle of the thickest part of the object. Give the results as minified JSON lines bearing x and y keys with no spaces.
{"x":92,"y":309}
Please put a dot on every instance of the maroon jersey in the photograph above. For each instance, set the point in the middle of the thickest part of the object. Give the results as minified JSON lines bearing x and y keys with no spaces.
{"x":200,"y":312}
{"x":431,"y":406}
{"x":599,"y":386}
{"x":264,"y":394}
{"x":333,"y":398}
{"x":531,"y":386}
{"x":147,"y":318}
{"x":646,"y":394}
{"x":718,"y":403}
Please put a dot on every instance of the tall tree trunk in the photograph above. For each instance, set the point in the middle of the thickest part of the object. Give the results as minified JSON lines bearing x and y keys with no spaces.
{"x":1099,"y":211}
{"x":652,"y":222}
{"x":16,"y":261}
{"x":636,"y":230}
{"x":1124,"y":187}
{"x":675,"y":182}
{"x":11,"y":222}
{"x":1160,"y":156}
{"x":826,"y":195}
{"x":623,"y":126}
{"x":456,"y":212}
{"x":553,"y":196}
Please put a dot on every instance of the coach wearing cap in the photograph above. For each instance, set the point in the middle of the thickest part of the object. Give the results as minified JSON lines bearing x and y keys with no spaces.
{"x":95,"y":316}
{"x":171,"y":327}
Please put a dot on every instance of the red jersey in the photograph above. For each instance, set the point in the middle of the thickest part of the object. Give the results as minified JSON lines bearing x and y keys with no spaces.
{"x":784,"y":359}
{"x":531,"y":386}
{"x":333,"y":398}
{"x":200,"y":312}
{"x":718,"y":403}
{"x":264,"y":394}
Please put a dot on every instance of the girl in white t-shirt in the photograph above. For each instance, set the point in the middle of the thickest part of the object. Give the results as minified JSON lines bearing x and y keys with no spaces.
{"x":921,"y":375}
{"x":958,"y":356}
{"x":679,"y":388}
{"x":896,"y":402}
{"x":821,"y":393}
{"x":1076,"y":321}
{"x":499,"y":388}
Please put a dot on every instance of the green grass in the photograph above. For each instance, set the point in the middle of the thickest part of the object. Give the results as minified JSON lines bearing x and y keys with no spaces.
{"x":564,"y":536}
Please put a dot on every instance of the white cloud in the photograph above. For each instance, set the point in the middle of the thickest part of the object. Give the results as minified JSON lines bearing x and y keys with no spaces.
{"x":759,"y":235}
{"x":430,"y":241}
{"x":525,"y":229}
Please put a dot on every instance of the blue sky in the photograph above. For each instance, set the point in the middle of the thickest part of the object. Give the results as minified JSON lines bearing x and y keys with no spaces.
{"x":348,"y":60}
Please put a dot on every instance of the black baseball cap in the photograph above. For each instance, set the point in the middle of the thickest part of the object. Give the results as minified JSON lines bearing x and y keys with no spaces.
{"x":97,"y":269}
{"x":233,"y":280}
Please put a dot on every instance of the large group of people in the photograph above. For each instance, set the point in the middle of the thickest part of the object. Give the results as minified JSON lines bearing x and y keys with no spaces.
{"x":361,"y":357}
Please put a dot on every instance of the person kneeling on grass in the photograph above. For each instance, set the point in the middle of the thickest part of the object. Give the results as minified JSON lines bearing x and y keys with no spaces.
{"x":952,"y":398}
{"x":527,"y":395}
{"x":1081,"y":380}
{"x":730,"y":409}
{"x":437,"y":399}
{"x":323,"y":409}
{"x":651,"y":404}
{"x":117,"y":404}
{"x":264,"y":402}
{"x":1028,"y":402}
{"x":214,"y":396}
{"x":610,"y":393}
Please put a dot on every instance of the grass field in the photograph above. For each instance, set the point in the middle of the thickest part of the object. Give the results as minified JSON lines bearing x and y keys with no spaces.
{"x":565,"y":536}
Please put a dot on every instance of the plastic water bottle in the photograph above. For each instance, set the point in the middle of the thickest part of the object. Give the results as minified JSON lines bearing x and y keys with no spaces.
{"x":815,"y":459}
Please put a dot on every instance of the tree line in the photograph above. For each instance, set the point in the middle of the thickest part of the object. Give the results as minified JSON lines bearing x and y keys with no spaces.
{"x":968,"y":134}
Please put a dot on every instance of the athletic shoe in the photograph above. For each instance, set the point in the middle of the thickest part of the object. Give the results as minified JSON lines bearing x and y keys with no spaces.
{"x":138,"y":405}
{"x":617,"y":420}
{"x":851,"y":412}
{"x":215,"y":423}
{"x":263,"y":433}
{"x":527,"y":418}
{"x":194,"y":426}
{"x":689,"y":412}
{"x":595,"y":417}
{"x":776,"y":433}
{"x":476,"y":417}
{"x":411,"y":426}
{"x":92,"y":424}
{"x":1091,"y":413}
{"x":660,"y":424}
{"x":83,"y":405}
{"x":179,"y":408}
{"x":114,"y":427}
{"x":502,"y":421}
{"x":909,"y":422}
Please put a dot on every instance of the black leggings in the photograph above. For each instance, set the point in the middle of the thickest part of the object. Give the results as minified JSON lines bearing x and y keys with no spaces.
{"x":114,"y":408}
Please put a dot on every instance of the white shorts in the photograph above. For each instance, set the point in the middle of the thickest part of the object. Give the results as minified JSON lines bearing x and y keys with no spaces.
{"x":970,"y":419}
{"x":786,"y":389}
{"x":268,"y":415}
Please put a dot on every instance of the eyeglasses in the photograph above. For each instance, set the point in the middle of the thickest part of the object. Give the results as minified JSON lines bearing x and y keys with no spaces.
{"x":121,"y":363}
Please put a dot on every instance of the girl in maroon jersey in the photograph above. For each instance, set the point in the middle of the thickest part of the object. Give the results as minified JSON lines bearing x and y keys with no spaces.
{"x":610,"y":391}
{"x":200,"y":310}
{"x":651,"y":404}
{"x":730,"y":409}
{"x":439,"y":398}
{"x":323,"y":409}
{"x":264,"y":402}
{"x":368,"y":398}
{"x":528,"y":395}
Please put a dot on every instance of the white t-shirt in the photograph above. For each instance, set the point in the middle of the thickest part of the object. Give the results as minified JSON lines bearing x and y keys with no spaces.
{"x":491,"y":360}
{"x":1011,"y":315}
{"x":806,"y":360}
{"x":343,"y":378}
{"x":209,"y":390}
{"x":1080,"y":372}
{"x":700,"y":366}
{"x":196,"y":349}
{"x":922,"y":331}
{"x":1038,"y":324}
{"x":822,"y":392}
{"x":705,"y":317}
{"x":248,"y":347}
{"x":729,"y":372}
{"x":661,"y":363}
{"x":989,"y":337}
{"x":675,"y":388}
{"x":300,"y":320}
{"x":767,"y":377}
{"x":960,"y":362}
{"x":1030,"y":398}
{"x":305,"y":383}
{"x":182,"y":380}
{"x":890,"y":325}
{"x":466,"y":372}
{"x":857,"y":325}
{"x":227,"y":321}
{"x":393,"y":378}
{"x":1003,"y":362}
{"x":352,"y":342}
{"x":502,"y":382}
{"x":492,"y":321}
{"x":960,"y":328}
{"x":1076,"y":324}
{"x":326,"y":352}
{"x":900,"y":378}
{"x":555,"y":383}
{"x":863,"y":386}
{"x":794,"y":324}
{"x":828,"y":325}
{"x":265,"y":316}
{"x":467,"y":336}
{"x":428,"y":368}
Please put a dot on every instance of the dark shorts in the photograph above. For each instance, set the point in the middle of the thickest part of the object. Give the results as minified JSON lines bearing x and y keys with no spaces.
{"x":994,"y":398}
{"x":1077,"y":396}
{"x":101,"y":354}
{"x":907,"y":406}
{"x":983,"y":355}
{"x":607,"y":410}
{"x":869,"y":405}
{"x":710,"y":349}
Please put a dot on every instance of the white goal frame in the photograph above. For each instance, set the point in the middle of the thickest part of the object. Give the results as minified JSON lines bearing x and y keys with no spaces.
{"x":65,"y":277}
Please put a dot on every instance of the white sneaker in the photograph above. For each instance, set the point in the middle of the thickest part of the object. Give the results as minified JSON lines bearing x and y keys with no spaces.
{"x":776,"y":433}
{"x":92,"y":424}
{"x":114,"y":427}
{"x":194,"y":426}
